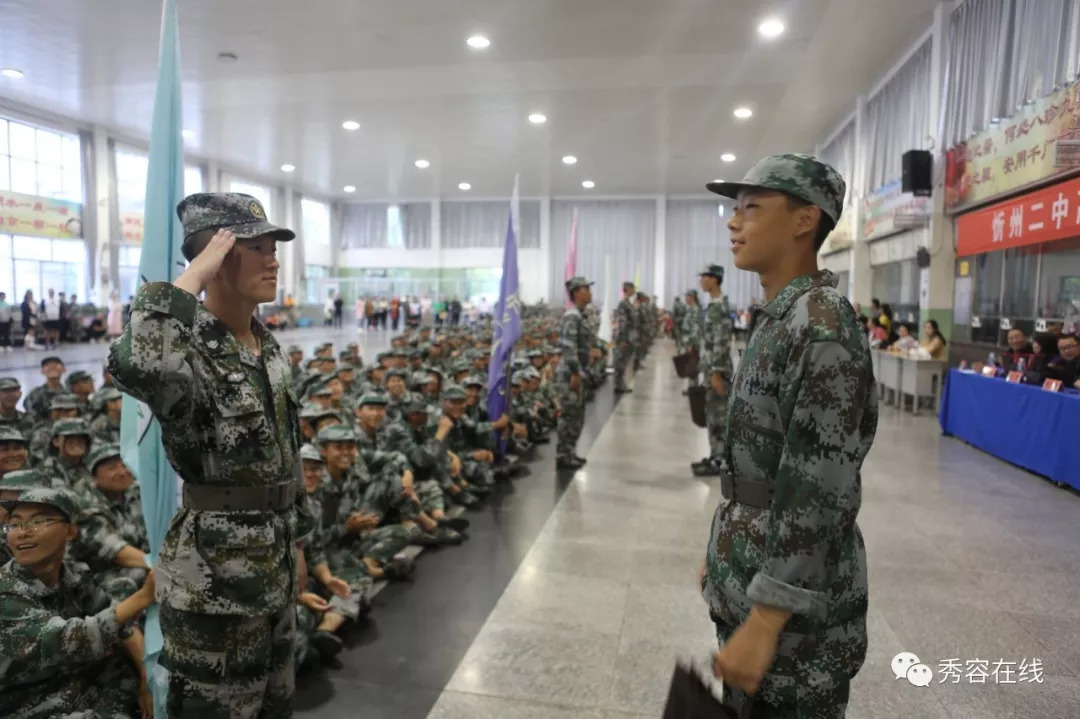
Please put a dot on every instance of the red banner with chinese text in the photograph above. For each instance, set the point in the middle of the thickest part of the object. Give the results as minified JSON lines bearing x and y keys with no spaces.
{"x":1046,"y":215}
{"x":39,"y":216}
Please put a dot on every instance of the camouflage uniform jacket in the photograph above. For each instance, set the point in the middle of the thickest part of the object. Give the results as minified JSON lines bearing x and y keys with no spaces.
{"x":22,"y":422}
{"x":228,"y":418}
{"x":716,"y":337}
{"x":690,"y":328}
{"x":62,"y":475}
{"x":104,"y":517}
{"x":802,"y":414}
{"x":316,"y":546}
{"x":678,"y":311}
{"x":575,"y":341}
{"x":382,"y":459}
{"x":104,"y":430}
{"x":47,"y":635}
{"x":624,"y":322}
{"x":37,"y":402}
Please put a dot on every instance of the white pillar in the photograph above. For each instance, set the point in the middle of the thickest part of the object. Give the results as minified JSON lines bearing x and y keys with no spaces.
{"x":545,"y":252}
{"x":860,"y":286}
{"x":291,"y":219}
{"x":659,"y":262}
{"x":102,"y":252}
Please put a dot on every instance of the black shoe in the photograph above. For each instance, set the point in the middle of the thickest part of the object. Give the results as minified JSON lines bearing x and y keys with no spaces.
{"x":540,"y":439}
{"x":326,"y":644}
{"x":709,"y":469}
{"x":468,"y":500}
{"x":400,"y":569}
{"x":566,"y":463}
{"x":458,"y":524}
{"x":519,"y":471}
{"x":623,"y":390}
{"x":579,"y":460}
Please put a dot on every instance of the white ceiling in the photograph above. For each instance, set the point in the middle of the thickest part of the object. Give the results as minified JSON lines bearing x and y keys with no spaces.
{"x":641,"y":91}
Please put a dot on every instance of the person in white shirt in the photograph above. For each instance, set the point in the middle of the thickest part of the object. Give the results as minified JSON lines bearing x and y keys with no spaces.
{"x":906,"y":341}
{"x":50,"y":309}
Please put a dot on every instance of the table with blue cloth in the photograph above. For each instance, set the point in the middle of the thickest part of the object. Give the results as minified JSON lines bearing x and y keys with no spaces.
{"x":1023,"y":424}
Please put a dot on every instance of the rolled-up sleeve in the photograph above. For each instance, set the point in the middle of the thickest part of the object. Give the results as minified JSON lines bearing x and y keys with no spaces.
{"x":38,"y":638}
{"x":817,"y":482}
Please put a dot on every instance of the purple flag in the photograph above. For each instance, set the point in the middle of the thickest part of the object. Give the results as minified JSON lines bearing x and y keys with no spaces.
{"x":507,"y":322}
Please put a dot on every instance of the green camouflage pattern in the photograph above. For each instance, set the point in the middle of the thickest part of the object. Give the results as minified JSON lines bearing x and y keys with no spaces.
{"x":241,"y":214}
{"x":795,"y":174}
{"x":575,"y":282}
{"x":801,"y":418}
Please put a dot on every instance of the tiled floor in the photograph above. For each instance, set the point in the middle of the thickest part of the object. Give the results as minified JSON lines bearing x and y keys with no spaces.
{"x":970,"y":558}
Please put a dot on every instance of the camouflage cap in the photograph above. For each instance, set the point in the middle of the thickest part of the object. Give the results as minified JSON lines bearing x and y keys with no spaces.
{"x":50,"y":358}
{"x":474,"y":381}
{"x":396,"y":372}
{"x":59,"y":499}
{"x":312,"y":361}
{"x":434,"y":371}
{"x":106,"y":394}
{"x":324,"y":345}
{"x":716,"y":271}
{"x":454,"y":393}
{"x":795,"y":174}
{"x":9,"y":383}
{"x":309,"y":453}
{"x":70,"y":428}
{"x":319,"y":389}
{"x":293,"y":349}
{"x":517,"y":378}
{"x":314,"y":412}
{"x":530,"y":373}
{"x":376,"y":398}
{"x":575,"y":282}
{"x":22,"y":479}
{"x":64,"y":401}
{"x":9,"y":434}
{"x":342,"y":368}
{"x":78,"y":375}
{"x":335,"y":433}
{"x":241,"y":214}
{"x":417,"y":404}
{"x":100,"y":454}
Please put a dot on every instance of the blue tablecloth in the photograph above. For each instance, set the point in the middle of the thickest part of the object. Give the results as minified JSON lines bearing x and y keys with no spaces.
{"x":1019,"y":423}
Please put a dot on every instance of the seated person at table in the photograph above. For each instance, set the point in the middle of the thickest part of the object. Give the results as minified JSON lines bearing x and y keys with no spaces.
{"x":68,"y":650}
{"x":879,"y":336}
{"x":905,"y":341}
{"x":933,"y":342}
{"x":1068,"y":369}
{"x":1019,"y":348}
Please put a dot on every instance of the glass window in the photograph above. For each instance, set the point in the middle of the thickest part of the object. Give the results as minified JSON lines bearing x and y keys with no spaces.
{"x":39,"y":264}
{"x":50,"y":181}
{"x":394,"y":236}
{"x":3,"y":136}
{"x":50,"y":148}
{"x":986,"y":296}
{"x":193,"y":179}
{"x":131,"y":171}
{"x":316,"y":220}
{"x":1059,"y":283}
{"x":34,"y":161}
{"x":260,"y":192}
{"x":5,"y":172}
{"x":1021,"y":268}
{"x":23,"y":176}
{"x":23,"y":141}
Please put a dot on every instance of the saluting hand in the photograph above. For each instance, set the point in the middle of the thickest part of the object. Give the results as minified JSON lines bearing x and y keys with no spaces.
{"x":207,"y":263}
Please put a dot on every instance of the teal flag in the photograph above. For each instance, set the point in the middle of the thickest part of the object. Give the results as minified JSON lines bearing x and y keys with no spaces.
{"x":140,"y":433}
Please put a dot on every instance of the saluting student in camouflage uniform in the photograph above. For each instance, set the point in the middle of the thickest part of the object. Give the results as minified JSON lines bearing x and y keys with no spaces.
{"x":10,"y":393}
{"x":624,"y":337}
{"x":785,"y":575}
{"x":217,"y":381}
{"x":717,"y":330}
{"x":67,"y":650}
{"x":575,"y":342}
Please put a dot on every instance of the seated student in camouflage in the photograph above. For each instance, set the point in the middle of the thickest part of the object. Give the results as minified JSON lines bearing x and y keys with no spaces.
{"x":354,"y":507}
{"x":65,"y":466}
{"x":69,"y":651}
{"x":397,"y":394}
{"x":105,"y":427}
{"x":13,"y":450}
{"x":320,"y":393}
{"x":446,"y":465}
{"x":476,"y":464}
{"x":13,"y":484}
{"x":81,"y":384}
{"x":37,"y":403}
{"x":10,"y":416}
{"x":296,"y":358}
{"x":384,"y":460}
{"x":313,"y":418}
{"x":346,"y":374}
{"x":111,"y":514}
{"x":347,"y":590}
{"x":61,"y":406}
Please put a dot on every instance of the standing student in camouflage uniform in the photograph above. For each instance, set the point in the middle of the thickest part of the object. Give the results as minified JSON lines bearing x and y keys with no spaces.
{"x":575,"y":342}
{"x":716,"y":330}
{"x":678,"y":311}
{"x":10,"y":393}
{"x":785,"y":575}
{"x":67,"y":650}
{"x":690,"y":330}
{"x":217,"y":381}
{"x":624,"y":337}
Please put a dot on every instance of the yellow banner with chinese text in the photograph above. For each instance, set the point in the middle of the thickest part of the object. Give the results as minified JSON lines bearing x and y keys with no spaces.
{"x":39,"y":216}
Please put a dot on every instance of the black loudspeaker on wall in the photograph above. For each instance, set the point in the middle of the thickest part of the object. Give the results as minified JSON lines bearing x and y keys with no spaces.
{"x":918,"y":172}
{"x":922,"y":258}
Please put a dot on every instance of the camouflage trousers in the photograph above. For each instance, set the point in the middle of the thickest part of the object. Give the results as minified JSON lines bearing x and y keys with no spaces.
{"x":572,"y":420}
{"x":227,"y":666}
{"x":430,"y":495}
{"x":385,"y":498}
{"x":623,"y":358}
{"x":793,"y":688}
{"x":716,"y":416}
{"x":380,"y":544}
{"x":105,"y":690}
{"x":351,"y":607}
{"x":306,"y":621}
{"x":476,"y":472}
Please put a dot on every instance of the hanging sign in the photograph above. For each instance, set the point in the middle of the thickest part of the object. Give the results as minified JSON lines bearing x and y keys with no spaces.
{"x":39,"y":216}
{"x":1052,"y":213}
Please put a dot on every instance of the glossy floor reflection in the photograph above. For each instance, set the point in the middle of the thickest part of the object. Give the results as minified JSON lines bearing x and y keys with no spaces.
{"x":970,"y":559}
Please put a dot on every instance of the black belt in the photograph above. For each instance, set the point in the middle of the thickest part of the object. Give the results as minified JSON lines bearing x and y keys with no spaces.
{"x":752,"y":494}
{"x":208,"y":498}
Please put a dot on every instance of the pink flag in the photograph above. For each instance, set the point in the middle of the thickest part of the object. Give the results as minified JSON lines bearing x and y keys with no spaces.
{"x":571,"y":253}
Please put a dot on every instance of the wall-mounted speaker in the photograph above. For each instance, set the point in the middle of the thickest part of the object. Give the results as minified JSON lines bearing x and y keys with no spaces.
{"x":918,"y":168}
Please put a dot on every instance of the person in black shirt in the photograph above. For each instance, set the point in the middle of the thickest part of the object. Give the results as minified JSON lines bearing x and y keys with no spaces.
{"x":1068,"y":368}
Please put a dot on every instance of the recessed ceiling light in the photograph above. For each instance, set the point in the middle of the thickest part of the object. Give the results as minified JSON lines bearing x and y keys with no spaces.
{"x":720,"y":181}
{"x":12,"y":73}
{"x":743,"y":113}
{"x":287,"y":167}
{"x":188,"y":134}
{"x":227,"y":57}
{"x":478,"y":42}
{"x":588,"y":184}
{"x":537,"y":118}
{"x":464,"y":186}
{"x":423,"y":164}
{"x":349,"y":188}
{"x":770,"y":28}
{"x":727,"y":157}
{"x":351,"y":125}
{"x":569,"y":160}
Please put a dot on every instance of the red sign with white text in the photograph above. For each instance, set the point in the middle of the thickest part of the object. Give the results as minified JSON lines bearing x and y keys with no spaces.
{"x":1052,"y":213}
{"x":1053,"y":385}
